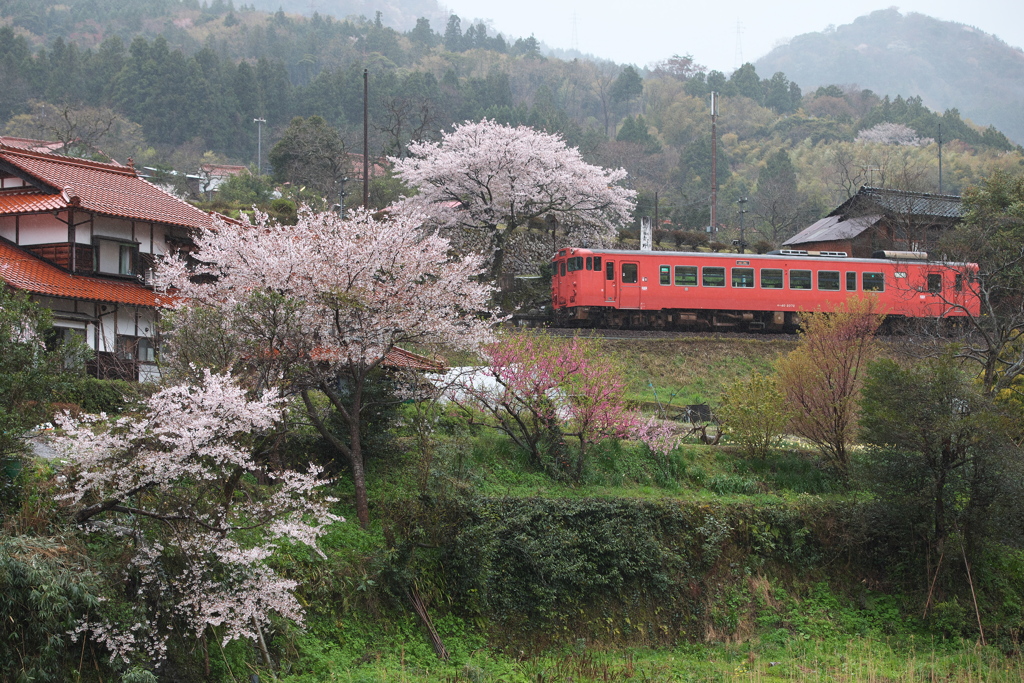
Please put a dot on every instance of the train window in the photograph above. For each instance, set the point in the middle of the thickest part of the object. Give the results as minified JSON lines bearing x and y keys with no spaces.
{"x":873,"y":282}
{"x":610,"y":272}
{"x":590,"y":263}
{"x":934,"y":283}
{"x":828,"y":280}
{"x":629,"y":273}
{"x":851,"y":281}
{"x":714,"y":276}
{"x":771,"y":278}
{"x":799,"y":279}
{"x":665,"y":274}
{"x":597,"y":263}
{"x":575,"y":263}
{"x":561,"y":268}
{"x":958,"y":284}
{"x":742,"y":277}
{"x":686,"y":276}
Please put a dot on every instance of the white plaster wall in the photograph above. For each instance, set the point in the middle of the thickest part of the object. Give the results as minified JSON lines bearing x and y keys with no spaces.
{"x":42,"y":229}
{"x":8,"y":227}
{"x":105,"y":226}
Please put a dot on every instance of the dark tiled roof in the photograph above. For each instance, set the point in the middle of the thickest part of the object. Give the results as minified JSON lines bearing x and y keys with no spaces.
{"x":29,"y":273}
{"x":109,"y":189}
{"x":832,"y":228}
{"x":908,"y":203}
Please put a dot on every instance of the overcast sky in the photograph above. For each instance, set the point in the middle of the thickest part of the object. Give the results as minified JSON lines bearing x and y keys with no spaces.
{"x":644,"y":31}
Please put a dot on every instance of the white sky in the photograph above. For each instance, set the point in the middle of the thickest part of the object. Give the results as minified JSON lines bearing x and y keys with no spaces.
{"x":644,"y":31}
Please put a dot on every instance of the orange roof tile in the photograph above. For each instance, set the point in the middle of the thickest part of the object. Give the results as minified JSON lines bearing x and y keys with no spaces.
{"x":29,"y":201}
{"x":109,"y":189}
{"x":24,"y":271}
{"x":402,"y":359}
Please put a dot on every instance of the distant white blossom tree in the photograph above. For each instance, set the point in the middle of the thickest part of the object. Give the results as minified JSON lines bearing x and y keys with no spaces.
{"x":893,"y":134}
{"x":198,"y":513}
{"x":482,"y":181}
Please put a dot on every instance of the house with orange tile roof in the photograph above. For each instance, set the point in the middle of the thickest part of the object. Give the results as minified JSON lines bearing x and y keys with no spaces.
{"x":81,"y":237}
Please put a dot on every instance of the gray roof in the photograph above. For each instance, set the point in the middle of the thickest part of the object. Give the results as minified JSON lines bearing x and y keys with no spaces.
{"x":833,"y":228}
{"x":908,"y":203}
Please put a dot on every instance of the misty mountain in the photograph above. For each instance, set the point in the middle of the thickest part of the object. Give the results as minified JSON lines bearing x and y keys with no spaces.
{"x":398,"y":14}
{"x":949,"y":65}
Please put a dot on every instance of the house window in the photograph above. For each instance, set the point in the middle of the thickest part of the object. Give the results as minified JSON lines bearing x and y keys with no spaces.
{"x":141,"y":349}
{"x":126,"y":259}
{"x":771,"y":278}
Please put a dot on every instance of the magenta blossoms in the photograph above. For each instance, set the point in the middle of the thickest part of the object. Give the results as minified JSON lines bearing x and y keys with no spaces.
{"x":315,"y":308}
{"x":484,"y":180}
{"x":200,"y":513}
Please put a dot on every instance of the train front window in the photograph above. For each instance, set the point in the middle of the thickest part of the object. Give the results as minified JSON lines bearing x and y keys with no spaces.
{"x":597,"y":263}
{"x":873,"y":282}
{"x":828,"y":280}
{"x":851,"y":281}
{"x":561,"y":268}
{"x":742,"y":277}
{"x":686,"y":276}
{"x":610,"y":271}
{"x":714,"y":277}
{"x":629,"y":273}
{"x":575,"y":263}
{"x":771,"y":278}
{"x":665,"y":275}
{"x":799,"y":279}
{"x":934,"y":283}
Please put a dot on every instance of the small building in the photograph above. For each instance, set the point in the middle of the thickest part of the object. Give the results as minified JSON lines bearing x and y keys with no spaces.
{"x":81,"y":238}
{"x":877,"y":219}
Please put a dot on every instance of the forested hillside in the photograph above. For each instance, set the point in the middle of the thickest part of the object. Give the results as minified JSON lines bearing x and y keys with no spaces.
{"x":945,"y":63}
{"x":176,"y":83}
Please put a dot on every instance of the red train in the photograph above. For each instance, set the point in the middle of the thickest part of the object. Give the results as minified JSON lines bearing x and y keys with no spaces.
{"x":674,"y":289}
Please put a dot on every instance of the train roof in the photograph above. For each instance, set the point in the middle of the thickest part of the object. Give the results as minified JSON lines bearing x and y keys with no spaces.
{"x":733,"y":256}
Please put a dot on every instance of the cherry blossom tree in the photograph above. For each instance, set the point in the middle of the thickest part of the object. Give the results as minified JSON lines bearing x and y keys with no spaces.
{"x":316,"y":308}
{"x":180,"y":483}
{"x":484,"y":181}
{"x":540,"y":390}
{"x":893,"y":134}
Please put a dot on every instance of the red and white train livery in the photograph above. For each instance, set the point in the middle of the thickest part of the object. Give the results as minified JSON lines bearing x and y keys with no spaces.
{"x":668,"y":289}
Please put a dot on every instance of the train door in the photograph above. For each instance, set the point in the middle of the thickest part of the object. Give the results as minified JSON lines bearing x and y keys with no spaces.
{"x":558,"y":287}
{"x":629,"y":287}
{"x":610,"y":289}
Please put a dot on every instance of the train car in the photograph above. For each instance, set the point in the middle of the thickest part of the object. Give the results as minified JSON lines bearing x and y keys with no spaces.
{"x":671,"y":289}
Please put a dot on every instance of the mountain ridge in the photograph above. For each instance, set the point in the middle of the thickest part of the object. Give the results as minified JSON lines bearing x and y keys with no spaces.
{"x":948,"y":64}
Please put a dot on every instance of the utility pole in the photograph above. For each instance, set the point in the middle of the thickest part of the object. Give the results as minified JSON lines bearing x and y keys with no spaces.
{"x":743,"y":237}
{"x":366,"y":139}
{"x":940,"y":158}
{"x":259,"y":144}
{"x":714,"y":160}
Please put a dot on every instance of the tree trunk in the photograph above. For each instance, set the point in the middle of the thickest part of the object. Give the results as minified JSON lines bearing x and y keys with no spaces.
{"x":359,"y":476}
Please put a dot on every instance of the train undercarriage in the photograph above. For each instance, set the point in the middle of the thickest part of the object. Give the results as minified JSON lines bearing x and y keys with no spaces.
{"x":677,"y":319}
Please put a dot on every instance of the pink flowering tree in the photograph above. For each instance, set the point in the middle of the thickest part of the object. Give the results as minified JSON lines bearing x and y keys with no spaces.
{"x":483,"y":181}
{"x":197,"y":511}
{"x":315,"y":308}
{"x":540,"y":390}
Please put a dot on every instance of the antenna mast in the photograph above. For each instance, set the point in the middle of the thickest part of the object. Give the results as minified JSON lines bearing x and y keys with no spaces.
{"x":714,"y":162}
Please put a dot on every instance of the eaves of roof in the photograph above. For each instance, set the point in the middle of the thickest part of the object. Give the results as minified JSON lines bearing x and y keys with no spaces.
{"x":29,"y":273}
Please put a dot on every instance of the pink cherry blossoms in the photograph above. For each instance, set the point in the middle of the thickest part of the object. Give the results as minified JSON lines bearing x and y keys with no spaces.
{"x":200,"y":513}
{"x":484,"y":180}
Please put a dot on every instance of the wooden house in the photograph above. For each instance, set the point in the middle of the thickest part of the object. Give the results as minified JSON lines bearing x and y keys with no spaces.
{"x":877,"y":219}
{"x":81,"y":238}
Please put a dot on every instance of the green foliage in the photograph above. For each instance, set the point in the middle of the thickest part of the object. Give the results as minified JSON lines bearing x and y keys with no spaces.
{"x":111,"y":396}
{"x":755,"y":413}
{"x":47,"y":588}
{"x":246,"y":189}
